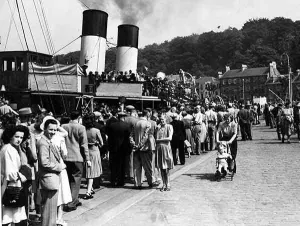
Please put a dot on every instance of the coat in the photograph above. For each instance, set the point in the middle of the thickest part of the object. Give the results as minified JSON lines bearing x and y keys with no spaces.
{"x":141,"y":134}
{"x":178,"y":130}
{"x":118,"y":137}
{"x":76,"y":142}
{"x":49,"y":164}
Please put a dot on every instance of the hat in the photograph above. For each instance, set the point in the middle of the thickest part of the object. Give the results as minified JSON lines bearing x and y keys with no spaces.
{"x":122,"y":114}
{"x":25,"y":111}
{"x":298,"y":105}
{"x":46,"y":118}
{"x":229,"y":104}
{"x":97,"y":114}
{"x":130,"y":107}
{"x":248,"y":103}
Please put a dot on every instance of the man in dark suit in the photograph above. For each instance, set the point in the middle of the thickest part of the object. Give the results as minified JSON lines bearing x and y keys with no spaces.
{"x":113,"y":118}
{"x":119,"y":146}
{"x":178,"y":139}
{"x":244,"y":118}
{"x":78,"y":152}
{"x":49,"y":170}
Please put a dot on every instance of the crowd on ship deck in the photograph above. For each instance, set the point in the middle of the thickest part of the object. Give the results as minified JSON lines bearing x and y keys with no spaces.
{"x":152,"y":86}
{"x":45,"y":160}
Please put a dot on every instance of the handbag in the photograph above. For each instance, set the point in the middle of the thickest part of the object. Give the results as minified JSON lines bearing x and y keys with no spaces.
{"x":187,"y":144}
{"x":14,"y":197}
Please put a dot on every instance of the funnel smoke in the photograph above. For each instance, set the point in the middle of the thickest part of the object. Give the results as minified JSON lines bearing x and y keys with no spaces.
{"x":131,"y":11}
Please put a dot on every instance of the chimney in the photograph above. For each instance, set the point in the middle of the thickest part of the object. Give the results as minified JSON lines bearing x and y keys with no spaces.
{"x":93,"y":40}
{"x":220,"y":74}
{"x":227,"y":68}
{"x":244,"y":67}
{"x":127,"y":48}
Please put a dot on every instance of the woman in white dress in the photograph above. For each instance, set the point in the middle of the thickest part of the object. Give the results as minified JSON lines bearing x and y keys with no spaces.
{"x":11,"y":163}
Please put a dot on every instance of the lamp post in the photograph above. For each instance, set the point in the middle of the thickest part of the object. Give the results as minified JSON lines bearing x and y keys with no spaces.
{"x":243,"y":90}
{"x":289,"y":78}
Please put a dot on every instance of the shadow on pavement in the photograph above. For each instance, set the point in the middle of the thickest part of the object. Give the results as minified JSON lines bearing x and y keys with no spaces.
{"x":202,"y":176}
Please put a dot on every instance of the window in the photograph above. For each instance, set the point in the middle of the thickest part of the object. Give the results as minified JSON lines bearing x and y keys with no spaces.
{"x":229,"y":81}
{"x":8,"y":64}
{"x":33,"y":59}
{"x":234,"y":81}
{"x":20,"y":64}
{"x":224,"y":82}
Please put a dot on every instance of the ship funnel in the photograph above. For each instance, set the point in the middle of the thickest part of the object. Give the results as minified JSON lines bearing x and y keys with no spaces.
{"x":127,"y":48}
{"x":93,"y":40}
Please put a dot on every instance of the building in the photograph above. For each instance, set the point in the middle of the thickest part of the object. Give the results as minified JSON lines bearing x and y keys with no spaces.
{"x":247,"y":83}
{"x":207,"y":87}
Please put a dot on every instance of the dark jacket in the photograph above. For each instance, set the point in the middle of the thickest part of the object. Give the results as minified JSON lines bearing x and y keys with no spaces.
{"x":178,"y":130}
{"x":118,"y":137}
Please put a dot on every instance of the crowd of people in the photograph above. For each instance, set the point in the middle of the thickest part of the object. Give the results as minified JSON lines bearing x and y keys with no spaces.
{"x":152,"y":86}
{"x":285,"y":118}
{"x":44,"y":159}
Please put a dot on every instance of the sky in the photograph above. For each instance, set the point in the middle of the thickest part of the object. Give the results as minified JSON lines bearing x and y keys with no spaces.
{"x":158,"y":20}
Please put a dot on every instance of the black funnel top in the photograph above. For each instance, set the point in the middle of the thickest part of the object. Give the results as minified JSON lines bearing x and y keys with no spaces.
{"x":128,"y":35}
{"x":94,"y":23}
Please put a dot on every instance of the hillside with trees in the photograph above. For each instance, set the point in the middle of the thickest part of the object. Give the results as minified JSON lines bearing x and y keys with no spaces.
{"x":256,"y":44}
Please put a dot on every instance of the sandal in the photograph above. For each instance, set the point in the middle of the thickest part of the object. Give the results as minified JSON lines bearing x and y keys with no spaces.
{"x":88,"y":196}
{"x":92,"y":192}
{"x":167,"y":189}
{"x":162,"y":188}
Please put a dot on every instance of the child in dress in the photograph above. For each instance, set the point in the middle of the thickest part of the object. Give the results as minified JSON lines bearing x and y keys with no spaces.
{"x":222,"y":157}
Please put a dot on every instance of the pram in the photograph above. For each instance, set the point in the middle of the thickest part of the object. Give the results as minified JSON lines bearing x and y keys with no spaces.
{"x":231,"y":168}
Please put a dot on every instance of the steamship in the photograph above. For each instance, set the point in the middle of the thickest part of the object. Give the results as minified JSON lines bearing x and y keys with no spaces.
{"x":30,"y":78}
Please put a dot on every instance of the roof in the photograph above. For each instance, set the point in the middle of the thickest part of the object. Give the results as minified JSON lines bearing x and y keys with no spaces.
{"x":26,"y":51}
{"x":249,"y":72}
{"x":275,"y":79}
{"x":206,"y":79}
